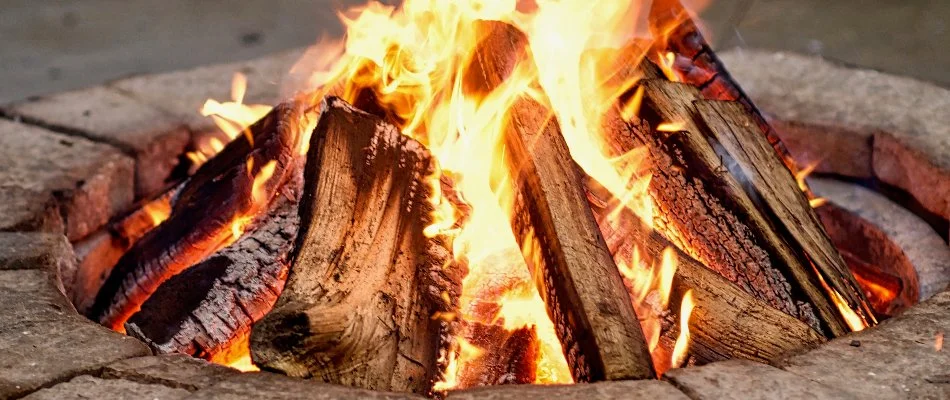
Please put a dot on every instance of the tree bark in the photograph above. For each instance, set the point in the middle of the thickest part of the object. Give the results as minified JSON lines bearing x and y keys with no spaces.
{"x":577,"y":278}
{"x":365,"y":281}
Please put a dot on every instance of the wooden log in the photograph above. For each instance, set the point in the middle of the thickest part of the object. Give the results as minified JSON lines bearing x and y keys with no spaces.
{"x":577,"y":278}
{"x":364,"y":281}
{"x":696,"y":63}
{"x":207,"y":311}
{"x":201,"y":221}
{"x":512,"y":362}
{"x":727,"y":322}
{"x":732,"y":131}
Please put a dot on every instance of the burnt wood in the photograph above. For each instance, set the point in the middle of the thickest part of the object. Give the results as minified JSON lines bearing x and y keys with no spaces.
{"x":365,"y":281}
{"x":207,"y":311}
{"x":200,"y":222}
{"x":577,"y":278}
{"x":511,"y":361}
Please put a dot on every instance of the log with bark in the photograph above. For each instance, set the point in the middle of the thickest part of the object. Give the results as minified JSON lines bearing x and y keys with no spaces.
{"x":201,"y":220}
{"x":511,"y":362}
{"x":365,"y":281}
{"x":760,"y":234}
{"x":207,"y":311}
{"x":577,"y":278}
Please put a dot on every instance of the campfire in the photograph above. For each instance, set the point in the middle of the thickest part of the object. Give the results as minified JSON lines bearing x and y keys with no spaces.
{"x":490,"y":192}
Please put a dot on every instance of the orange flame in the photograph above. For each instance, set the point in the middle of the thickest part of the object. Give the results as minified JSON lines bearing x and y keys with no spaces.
{"x":803,"y":186}
{"x":682,"y":342}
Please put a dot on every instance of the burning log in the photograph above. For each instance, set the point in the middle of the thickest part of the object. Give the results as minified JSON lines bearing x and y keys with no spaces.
{"x":213,"y":206}
{"x":207,"y":311}
{"x":365,"y":281}
{"x":581,"y":286}
{"x":513,"y":363}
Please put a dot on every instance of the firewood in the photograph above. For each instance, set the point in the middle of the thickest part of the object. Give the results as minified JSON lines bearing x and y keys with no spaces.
{"x":511,"y":362}
{"x":201,"y":220}
{"x":697,"y":64}
{"x":365,"y":281}
{"x":577,"y":278}
{"x":726,"y":322}
{"x":207,"y":311}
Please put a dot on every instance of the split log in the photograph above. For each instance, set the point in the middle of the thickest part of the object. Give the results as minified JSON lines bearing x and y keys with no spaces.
{"x":207,"y":311}
{"x":220,"y":193}
{"x":696,"y":63}
{"x":577,"y":278}
{"x":364,"y":281}
{"x":726,"y":322}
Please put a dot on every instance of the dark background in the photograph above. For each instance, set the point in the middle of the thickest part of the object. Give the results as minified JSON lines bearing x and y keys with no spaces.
{"x":49,"y":46}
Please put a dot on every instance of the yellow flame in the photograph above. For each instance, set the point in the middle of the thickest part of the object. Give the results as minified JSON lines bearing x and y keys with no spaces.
{"x":244,"y":364}
{"x":683,"y":340}
{"x":666,"y":65}
{"x":157,"y":211}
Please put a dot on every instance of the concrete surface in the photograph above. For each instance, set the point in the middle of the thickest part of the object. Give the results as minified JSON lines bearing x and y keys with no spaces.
{"x":51,"y":46}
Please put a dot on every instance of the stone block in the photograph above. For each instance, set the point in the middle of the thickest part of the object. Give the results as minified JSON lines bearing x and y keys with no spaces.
{"x":646,"y":389}
{"x":152,"y":137}
{"x":741,"y":380}
{"x":265,"y":386}
{"x":172,"y":370}
{"x":58,"y":183}
{"x":88,"y":387}
{"x":899,"y":359}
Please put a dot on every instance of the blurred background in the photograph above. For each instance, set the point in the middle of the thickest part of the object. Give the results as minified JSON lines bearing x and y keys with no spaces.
{"x":53,"y":45}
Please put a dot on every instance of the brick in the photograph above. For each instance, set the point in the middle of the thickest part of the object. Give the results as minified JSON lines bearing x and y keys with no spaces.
{"x":896,"y":360}
{"x":88,"y":387}
{"x":182,"y":93}
{"x":152,"y":137}
{"x":57,"y":183}
{"x":741,"y":379}
{"x":645,"y":389}
{"x":907,"y":119}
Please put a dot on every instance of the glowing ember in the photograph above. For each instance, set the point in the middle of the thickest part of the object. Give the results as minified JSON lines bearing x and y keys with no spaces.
{"x":157,"y":211}
{"x":938,"y":341}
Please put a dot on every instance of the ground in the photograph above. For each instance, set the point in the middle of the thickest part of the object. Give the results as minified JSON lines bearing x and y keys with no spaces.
{"x":54,"y":46}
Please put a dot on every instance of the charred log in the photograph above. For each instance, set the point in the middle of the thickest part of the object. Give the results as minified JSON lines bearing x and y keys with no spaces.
{"x":513,"y":362}
{"x":364,"y":281}
{"x":220,"y":194}
{"x":577,"y":278}
{"x":207,"y":311}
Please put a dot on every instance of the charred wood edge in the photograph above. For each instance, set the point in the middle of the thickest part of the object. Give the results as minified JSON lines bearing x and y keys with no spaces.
{"x":365,"y":282}
{"x":200,"y":220}
{"x":207,"y":310}
{"x":731,"y":133}
{"x":697,"y":64}
{"x":726,"y":322}
{"x":577,"y":278}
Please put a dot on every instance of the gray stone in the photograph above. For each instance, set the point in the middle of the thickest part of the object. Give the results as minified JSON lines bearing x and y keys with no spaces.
{"x":899,"y":359}
{"x":59,"y":183}
{"x":920,"y":244}
{"x":88,"y":387}
{"x":172,"y":370}
{"x":182,"y":93}
{"x":42,"y":338}
{"x":38,"y":250}
{"x":741,"y":380}
{"x":265,"y":385}
{"x":908,"y":119}
{"x":154,"y":138}
{"x":646,"y":389}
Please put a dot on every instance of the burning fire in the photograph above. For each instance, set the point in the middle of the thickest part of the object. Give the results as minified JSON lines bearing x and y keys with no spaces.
{"x":412,"y":63}
{"x":800,"y":177}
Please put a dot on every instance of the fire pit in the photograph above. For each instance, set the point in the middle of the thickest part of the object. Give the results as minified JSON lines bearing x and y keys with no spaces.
{"x":443,"y":206}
